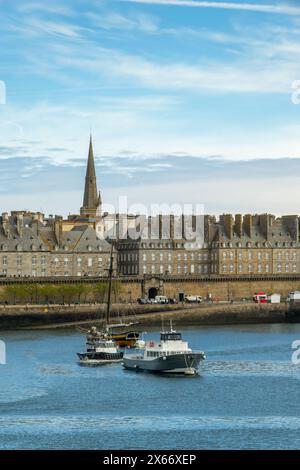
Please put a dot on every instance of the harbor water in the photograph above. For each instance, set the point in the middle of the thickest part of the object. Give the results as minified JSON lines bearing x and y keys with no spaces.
{"x":246,"y":395}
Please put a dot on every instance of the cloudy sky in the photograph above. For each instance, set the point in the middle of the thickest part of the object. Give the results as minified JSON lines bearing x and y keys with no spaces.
{"x":188,"y":101}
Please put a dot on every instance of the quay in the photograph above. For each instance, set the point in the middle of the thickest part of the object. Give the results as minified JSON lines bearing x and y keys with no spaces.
{"x":41,"y":316}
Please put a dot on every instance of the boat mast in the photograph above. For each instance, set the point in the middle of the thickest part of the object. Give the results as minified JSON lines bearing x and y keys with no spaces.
{"x":110,"y":273}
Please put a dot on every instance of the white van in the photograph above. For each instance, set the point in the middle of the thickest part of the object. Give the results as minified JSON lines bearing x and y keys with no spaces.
{"x":293,"y":297}
{"x":193,"y":298}
{"x":161,"y":299}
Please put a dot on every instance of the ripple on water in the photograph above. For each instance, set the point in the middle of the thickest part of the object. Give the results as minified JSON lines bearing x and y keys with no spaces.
{"x":254,"y":368}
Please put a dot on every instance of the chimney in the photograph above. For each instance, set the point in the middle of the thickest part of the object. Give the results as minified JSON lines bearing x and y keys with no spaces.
{"x":238,"y":225}
{"x":228,"y":224}
{"x":247,"y":223}
{"x":5,"y":223}
{"x":20,"y":224}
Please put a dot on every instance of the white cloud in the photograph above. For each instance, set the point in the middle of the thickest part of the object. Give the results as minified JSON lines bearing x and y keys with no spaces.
{"x":114,"y":20}
{"x":263,"y":8}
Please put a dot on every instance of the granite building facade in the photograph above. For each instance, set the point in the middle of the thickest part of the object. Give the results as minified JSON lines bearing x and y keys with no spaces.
{"x":32,"y":245}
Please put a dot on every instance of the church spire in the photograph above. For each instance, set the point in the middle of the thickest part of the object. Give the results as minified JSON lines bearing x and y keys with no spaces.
{"x":91,"y":199}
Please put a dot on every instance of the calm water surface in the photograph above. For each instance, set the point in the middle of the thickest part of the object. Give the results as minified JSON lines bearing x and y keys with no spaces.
{"x":247,"y":395}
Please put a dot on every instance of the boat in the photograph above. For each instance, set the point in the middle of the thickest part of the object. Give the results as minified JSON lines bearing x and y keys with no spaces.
{"x":124,"y":337}
{"x":100,"y":346}
{"x":169,"y":355}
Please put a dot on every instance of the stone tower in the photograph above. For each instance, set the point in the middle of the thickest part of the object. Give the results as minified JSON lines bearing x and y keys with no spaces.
{"x":91,"y":206}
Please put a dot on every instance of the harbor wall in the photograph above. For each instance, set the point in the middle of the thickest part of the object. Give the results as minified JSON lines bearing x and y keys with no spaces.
{"x":205,"y":314}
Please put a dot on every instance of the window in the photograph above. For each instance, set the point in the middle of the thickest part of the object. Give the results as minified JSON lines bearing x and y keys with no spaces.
{"x":185,"y":269}
{"x":78,"y":273}
{"x":231,"y":255}
{"x":279,"y":268}
{"x":249,"y":255}
{"x":19,"y":260}
{"x":286,"y":268}
{"x":279,"y":256}
{"x":56,"y":261}
{"x":169,"y":269}
{"x":224,"y":255}
{"x":294,"y":256}
{"x":4,"y":260}
{"x":231,"y":268}
{"x":144,"y":269}
{"x":294,"y":268}
{"x":185,"y":256}
{"x":259,"y":268}
{"x":224,"y":268}
{"x":240,"y":256}
{"x":43,"y":259}
{"x":267,"y":268}
{"x":33,"y":272}
{"x":161,"y":269}
{"x":199,"y":256}
{"x":267,"y":256}
{"x":78,"y":261}
{"x":90,"y":262}
{"x":100,"y":261}
{"x":179,"y":256}
{"x":192,"y":257}
{"x":240,"y":268}
{"x":199,"y":268}
{"x":192,"y":269}
{"x":259,"y":255}
{"x":152,"y":269}
{"x":144,"y":257}
{"x":43,"y":272}
{"x":249,"y":268}
{"x":153,"y":256}
{"x":66,"y":261}
{"x":178,"y":269}
{"x":33,"y":260}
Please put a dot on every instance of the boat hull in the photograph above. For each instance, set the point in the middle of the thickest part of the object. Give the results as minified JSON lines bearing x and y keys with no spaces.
{"x":99,"y":357}
{"x":175,"y":363}
{"x":125,"y":340}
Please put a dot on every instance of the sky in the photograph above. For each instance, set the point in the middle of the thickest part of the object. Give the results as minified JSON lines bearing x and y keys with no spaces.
{"x":188,"y":102}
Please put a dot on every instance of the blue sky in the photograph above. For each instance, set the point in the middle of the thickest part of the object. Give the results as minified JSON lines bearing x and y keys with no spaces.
{"x":188,"y":101}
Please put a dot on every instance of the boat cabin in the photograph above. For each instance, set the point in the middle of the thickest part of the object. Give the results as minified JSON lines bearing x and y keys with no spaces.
{"x":171,"y":336}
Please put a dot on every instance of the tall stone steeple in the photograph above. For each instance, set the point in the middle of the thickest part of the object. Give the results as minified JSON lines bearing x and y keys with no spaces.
{"x":92,"y":199}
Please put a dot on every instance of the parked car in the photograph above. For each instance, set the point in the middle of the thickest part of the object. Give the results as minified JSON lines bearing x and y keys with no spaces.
{"x":152,"y":301}
{"x":293,"y":297}
{"x":260,"y":298}
{"x":142,"y":301}
{"x":193,"y":299}
{"x":162,"y":299}
{"x":274,"y":298}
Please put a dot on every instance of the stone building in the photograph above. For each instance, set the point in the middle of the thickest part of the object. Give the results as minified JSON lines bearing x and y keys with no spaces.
{"x":32,"y":245}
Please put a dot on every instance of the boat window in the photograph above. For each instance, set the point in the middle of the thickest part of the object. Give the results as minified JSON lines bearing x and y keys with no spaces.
{"x":170,"y":336}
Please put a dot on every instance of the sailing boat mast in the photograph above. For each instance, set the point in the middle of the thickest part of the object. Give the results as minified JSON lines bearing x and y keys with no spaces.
{"x":110,"y":273}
